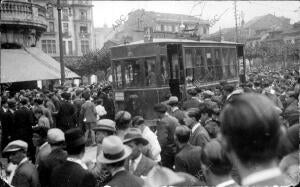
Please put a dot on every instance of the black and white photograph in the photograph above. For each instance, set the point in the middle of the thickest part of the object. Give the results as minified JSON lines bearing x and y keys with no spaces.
{"x":97,"y":93}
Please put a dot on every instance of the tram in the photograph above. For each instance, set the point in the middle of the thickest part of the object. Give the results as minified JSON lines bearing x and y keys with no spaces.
{"x":144,"y":73}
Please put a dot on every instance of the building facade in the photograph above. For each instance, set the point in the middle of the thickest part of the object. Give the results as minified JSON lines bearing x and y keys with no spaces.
{"x":164,"y":25}
{"x":77,"y":27}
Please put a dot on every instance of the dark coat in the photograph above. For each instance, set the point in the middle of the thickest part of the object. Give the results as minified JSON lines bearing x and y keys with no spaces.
{"x":109,"y":106}
{"x":66,"y":116}
{"x":143,"y":167}
{"x":71,"y":174}
{"x":56,"y":158}
{"x":8,"y":128}
{"x":24,"y":120}
{"x":125,"y":179}
{"x":188,"y":160}
{"x":165,"y":135}
{"x":199,"y":137}
{"x":26,"y":175}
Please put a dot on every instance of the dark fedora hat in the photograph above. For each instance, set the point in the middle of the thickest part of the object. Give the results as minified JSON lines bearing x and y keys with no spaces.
{"x":74,"y":138}
{"x":161,"y":108}
{"x":136,"y":135}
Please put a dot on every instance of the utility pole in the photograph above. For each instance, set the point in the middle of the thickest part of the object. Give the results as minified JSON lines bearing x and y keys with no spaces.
{"x":61,"y":54}
{"x":236,"y":23}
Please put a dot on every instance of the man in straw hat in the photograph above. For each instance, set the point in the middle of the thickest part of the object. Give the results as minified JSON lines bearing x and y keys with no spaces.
{"x":113,"y":157}
{"x":25,"y":173}
{"x":73,"y":172}
{"x":139,"y":164}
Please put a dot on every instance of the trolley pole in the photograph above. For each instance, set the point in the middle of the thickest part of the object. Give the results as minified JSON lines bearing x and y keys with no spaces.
{"x":236,"y":23}
{"x":61,"y":55}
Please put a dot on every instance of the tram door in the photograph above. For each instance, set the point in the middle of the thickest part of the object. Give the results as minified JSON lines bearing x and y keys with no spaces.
{"x":175,"y":62}
{"x":241,"y":63}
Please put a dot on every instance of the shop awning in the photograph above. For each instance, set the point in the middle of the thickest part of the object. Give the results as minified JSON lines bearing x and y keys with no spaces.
{"x":30,"y":64}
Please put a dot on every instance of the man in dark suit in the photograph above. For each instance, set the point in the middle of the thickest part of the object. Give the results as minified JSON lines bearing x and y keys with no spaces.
{"x":199,"y":136}
{"x":113,"y":158}
{"x":175,"y":111}
{"x":25,"y":174}
{"x":57,"y":156}
{"x":138,"y":164}
{"x":193,"y":102}
{"x":187,"y":159}
{"x":66,"y":115}
{"x":73,"y":172}
{"x":24,"y":120}
{"x":165,"y":135}
{"x":8,"y":123}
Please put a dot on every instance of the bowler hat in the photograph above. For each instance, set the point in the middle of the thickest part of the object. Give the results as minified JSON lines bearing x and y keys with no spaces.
{"x":74,"y":138}
{"x":134,"y":134}
{"x":113,"y":150}
{"x":15,"y":146}
{"x":172,"y":100}
{"x":106,"y":125}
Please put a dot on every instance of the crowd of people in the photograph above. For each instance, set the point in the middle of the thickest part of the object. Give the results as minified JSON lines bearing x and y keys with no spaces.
{"x":230,"y":135}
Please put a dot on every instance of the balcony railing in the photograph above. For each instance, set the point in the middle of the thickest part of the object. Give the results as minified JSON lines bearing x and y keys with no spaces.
{"x":23,"y":13}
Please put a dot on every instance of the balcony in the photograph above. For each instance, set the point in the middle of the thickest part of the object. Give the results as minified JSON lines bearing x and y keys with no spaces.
{"x":23,"y":14}
{"x":84,"y":35}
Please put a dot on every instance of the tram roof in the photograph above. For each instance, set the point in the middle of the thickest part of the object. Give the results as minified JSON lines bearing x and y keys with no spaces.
{"x":178,"y":41}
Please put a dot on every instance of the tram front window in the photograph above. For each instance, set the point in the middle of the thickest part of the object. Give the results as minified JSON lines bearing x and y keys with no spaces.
{"x":151,"y":78}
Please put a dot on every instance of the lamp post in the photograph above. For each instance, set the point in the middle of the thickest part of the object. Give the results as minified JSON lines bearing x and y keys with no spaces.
{"x":61,"y":55}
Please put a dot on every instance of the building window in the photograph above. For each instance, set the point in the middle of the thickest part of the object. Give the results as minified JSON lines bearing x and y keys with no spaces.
{"x":204,"y":30}
{"x":64,"y":47}
{"x":51,"y":27}
{"x":70,"y":47}
{"x":176,"y":29}
{"x":158,"y":28}
{"x":83,"y":14}
{"x":83,"y":29}
{"x":65,"y":14}
{"x":50,"y":12}
{"x":65,"y":28}
{"x":84,"y":46}
{"x":162,"y":27}
{"x":49,"y":46}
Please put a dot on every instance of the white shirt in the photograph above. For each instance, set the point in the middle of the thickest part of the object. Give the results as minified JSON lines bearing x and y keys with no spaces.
{"x":195,"y":127}
{"x":261,"y":176}
{"x":100,"y":111}
{"x":153,"y":143}
{"x":78,"y":161}
{"x":135,"y":161}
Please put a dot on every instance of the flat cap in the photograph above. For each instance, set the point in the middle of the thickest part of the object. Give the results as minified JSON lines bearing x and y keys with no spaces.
{"x":106,"y":125}
{"x":55,"y":135}
{"x":173,"y":99}
{"x":15,"y":146}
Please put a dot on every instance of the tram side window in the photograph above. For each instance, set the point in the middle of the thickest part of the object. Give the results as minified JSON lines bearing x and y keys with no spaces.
{"x":150,"y":72}
{"x":218,"y":64}
{"x":232,"y":63}
{"x":164,"y":70}
{"x":210,"y":66}
{"x":118,"y":75}
{"x":225,"y":56}
{"x":189,"y":67}
{"x":200,"y":65}
{"x":133,"y":76}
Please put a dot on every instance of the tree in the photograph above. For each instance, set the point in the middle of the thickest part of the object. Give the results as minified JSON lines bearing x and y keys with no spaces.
{"x":93,"y":62}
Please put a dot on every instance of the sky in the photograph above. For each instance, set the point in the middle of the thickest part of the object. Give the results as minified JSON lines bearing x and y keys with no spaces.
{"x":108,"y":12}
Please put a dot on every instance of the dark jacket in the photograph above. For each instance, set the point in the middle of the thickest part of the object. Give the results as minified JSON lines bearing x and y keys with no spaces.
{"x":26,"y":175}
{"x":56,"y":158}
{"x":144,"y":166}
{"x":71,"y":174}
{"x":125,"y":179}
{"x":165,"y":135}
{"x":66,"y":116}
{"x":199,"y":137}
{"x":188,"y":160}
{"x":8,"y":128}
{"x":24,"y":120}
